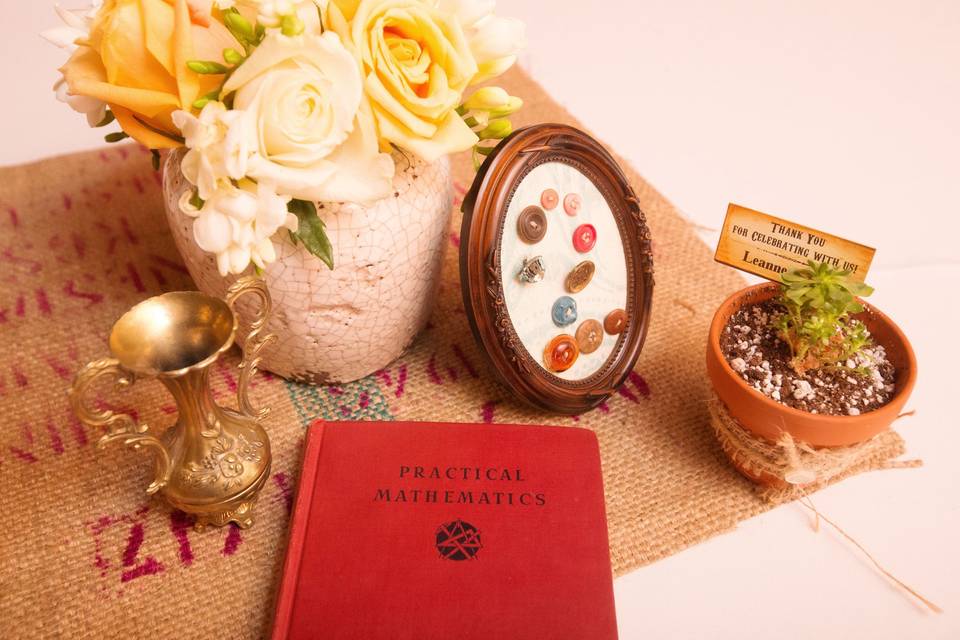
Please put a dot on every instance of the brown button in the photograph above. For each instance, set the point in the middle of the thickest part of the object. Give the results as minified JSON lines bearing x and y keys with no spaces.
{"x":532,"y":224}
{"x":615,"y":321}
{"x":580,"y":276}
{"x":561,"y":353}
{"x":589,"y":336}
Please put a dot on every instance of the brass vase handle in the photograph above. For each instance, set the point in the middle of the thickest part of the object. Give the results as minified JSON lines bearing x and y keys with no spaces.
{"x":122,"y":427}
{"x":256,"y":339}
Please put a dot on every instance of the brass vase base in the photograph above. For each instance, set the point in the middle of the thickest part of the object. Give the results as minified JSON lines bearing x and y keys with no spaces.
{"x":239,"y":509}
{"x":213,"y":462}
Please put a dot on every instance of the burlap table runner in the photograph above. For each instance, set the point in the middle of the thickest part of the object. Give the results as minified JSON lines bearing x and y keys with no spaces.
{"x":85,"y":553}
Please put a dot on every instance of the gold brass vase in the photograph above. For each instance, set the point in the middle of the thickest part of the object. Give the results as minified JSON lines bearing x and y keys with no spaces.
{"x":213,"y":462}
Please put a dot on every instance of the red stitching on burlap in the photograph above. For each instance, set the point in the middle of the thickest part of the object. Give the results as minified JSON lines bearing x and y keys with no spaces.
{"x":487,"y":410}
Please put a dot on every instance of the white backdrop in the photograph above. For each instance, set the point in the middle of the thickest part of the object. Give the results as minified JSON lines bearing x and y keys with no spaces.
{"x":843,"y":115}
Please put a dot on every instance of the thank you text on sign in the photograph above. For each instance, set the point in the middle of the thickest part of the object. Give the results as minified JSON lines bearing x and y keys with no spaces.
{"x":768,"y":246}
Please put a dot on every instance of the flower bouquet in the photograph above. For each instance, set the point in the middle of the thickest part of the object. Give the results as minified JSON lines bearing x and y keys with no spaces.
{"x":311,"y":134}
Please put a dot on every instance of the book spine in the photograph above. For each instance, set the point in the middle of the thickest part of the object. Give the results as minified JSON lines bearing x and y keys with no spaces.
{"x":290,"y":579}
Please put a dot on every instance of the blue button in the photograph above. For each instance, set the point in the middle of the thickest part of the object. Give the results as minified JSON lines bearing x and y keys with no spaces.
{"x":564,"y":311}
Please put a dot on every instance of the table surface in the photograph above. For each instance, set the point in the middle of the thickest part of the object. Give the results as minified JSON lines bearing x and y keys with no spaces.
{"x":840,"y":115}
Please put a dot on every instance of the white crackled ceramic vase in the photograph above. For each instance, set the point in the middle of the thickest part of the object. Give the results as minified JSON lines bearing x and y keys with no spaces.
{"x":341,"y":325}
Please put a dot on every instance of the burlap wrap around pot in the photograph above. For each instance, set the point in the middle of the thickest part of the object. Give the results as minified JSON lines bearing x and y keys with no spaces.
{"x":342,"y":324}
{"x":87,"y":555}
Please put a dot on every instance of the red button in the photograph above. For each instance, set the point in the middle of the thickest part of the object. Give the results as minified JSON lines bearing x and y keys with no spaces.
{"x":584,"y":237}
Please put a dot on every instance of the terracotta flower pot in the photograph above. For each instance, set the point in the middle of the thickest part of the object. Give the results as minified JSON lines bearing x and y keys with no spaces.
{"x":767,"y":418}
{"x":344,"y":324}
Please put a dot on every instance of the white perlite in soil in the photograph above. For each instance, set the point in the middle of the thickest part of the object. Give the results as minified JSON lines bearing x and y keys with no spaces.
{"x":753,"y":350}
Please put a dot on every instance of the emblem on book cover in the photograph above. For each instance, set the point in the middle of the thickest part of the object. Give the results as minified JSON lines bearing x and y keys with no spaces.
{"x":458,"y":540}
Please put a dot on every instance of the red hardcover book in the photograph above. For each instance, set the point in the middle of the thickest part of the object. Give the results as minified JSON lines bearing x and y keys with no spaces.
{"x":466,"y":531}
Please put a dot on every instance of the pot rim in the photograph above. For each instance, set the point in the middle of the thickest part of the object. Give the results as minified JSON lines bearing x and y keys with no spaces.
{"x":906,"y":387}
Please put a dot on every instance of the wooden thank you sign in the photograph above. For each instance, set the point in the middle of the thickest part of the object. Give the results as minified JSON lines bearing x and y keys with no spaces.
{"x":768,"y":246}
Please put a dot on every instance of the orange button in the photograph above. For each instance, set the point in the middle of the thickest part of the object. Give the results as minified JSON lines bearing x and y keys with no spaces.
{"x":561,"y":353}
{"x":549,"y":199}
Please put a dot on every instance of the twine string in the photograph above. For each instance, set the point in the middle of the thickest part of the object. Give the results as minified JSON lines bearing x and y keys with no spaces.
{"x":804,"y":467}
{"x":808,"y":503}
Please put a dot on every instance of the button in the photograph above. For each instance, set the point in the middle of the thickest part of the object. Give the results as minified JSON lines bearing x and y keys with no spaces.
{"x":589,"y":336}
{"x":571,"y":203}
{"x":615,"y":321}
{"x":561,"y":353}
{"x":549,"y":199}
{"x":584,"y":237}
{"x":532,"y":270}
{"x":580,"y":276}
{"x":564,"y":311}
{"x":532,"y":224}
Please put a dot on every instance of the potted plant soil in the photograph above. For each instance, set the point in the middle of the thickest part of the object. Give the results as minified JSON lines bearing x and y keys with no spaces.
{"x":810,"y":359}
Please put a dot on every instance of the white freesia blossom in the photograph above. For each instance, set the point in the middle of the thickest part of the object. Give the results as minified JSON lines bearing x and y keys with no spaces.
{"x":270,"y":12}
{"x":76,"y":26}
{"x":494,"y":41}
{"x":218,"y":146}
{"x":237,"y":223}
{"x":74,"y":31}
{"x":93,"y":109}
{"x":307,"y":131}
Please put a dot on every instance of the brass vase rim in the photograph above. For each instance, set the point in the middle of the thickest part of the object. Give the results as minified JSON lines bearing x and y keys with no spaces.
{"x":173,"y":297}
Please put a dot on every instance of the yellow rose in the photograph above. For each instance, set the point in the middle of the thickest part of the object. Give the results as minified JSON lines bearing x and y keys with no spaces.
{"x":416,"y":63}
{"x":135,"y":61}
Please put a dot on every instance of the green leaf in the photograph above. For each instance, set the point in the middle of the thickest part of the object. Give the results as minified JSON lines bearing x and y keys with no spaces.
{"x":196,"y":200}
{"x":108,"y":117}
{"x":311,"y":231}
{"x":206,"y":67}
{"x":239,"y":27}
{"x":797,"y":294}
{"x":232,"y":56}
{"x":860,"y":289}
{"x":116,"y":136}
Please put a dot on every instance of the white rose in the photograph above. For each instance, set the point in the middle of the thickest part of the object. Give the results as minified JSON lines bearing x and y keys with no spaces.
{"x":494,"y":41}
{"x":236,"y":224}
{"x":307,"y":132}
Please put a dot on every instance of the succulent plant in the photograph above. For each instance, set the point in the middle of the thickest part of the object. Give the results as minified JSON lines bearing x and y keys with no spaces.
{"x":817,"y":301}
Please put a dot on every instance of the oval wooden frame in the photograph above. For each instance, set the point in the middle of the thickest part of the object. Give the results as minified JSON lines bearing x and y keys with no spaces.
{"x":485,"y":207}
